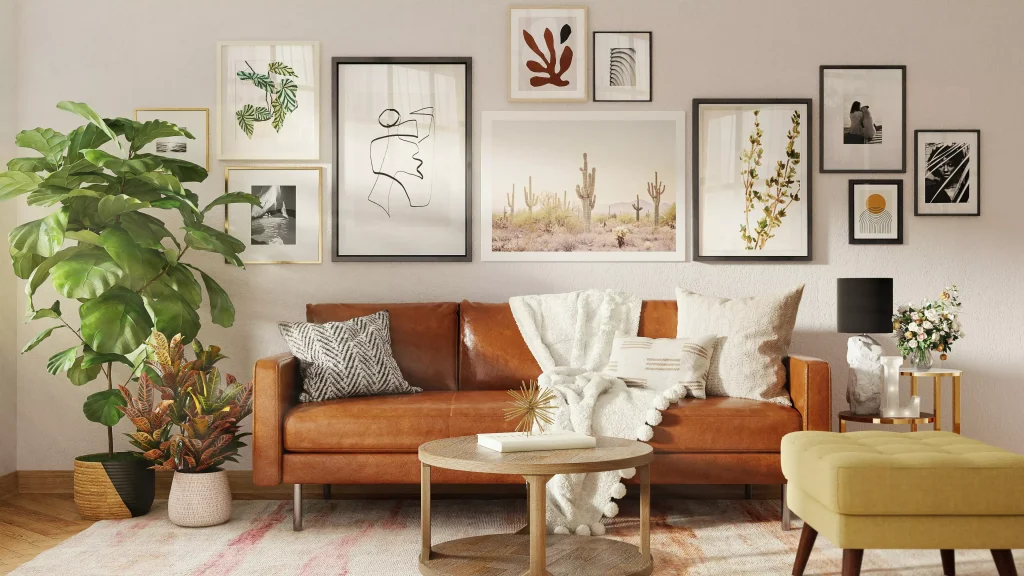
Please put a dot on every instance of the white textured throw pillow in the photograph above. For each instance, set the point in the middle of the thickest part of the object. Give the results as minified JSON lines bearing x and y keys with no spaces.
{"x":675,"y":366}
{"x":753,"y":336}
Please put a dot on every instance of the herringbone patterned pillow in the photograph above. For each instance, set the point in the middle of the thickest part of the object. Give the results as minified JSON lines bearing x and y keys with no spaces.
{"x":345,"y":359}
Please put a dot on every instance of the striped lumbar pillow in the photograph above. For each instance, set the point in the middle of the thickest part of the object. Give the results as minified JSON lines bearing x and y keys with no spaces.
{"x":676,"y":366}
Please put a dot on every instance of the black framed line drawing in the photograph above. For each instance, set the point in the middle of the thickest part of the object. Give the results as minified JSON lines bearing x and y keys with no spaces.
{"x":402,"y":159}
{"x":947,"y":172}
{"x":863,"y":119}
{"x":875,"y":214}
{"x":752,"y":179}
{"x":623,"y":67}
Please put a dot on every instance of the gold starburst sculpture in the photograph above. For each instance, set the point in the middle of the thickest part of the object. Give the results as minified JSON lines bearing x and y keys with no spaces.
{"x":531,"y":405}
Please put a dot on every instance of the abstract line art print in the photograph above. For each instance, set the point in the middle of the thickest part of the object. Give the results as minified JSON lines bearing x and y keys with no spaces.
{"x":548,"y":54}
{"x":622,"y":66}
{"x":947,"y":165}
{"x":401,"y":158}
{"x":876,"y":212}
{"x":402,"y":171}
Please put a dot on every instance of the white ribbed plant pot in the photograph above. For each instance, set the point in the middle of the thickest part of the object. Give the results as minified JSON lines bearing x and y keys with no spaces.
{"x":199,"y":499}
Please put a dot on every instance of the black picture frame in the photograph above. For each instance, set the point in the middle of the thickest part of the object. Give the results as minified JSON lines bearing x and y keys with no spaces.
{"x":593,"y":63}
{"x":822,"y":168}
{"x":336,"y":62}
{"x":851,"y":218}
{"x":696,"y":163}
{"x":917,"y":168}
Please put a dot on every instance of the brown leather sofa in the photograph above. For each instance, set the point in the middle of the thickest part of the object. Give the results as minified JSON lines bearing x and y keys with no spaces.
{"x":466,"y":356}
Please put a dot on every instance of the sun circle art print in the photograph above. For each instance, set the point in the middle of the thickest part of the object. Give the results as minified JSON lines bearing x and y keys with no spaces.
{"x":875,"y":204}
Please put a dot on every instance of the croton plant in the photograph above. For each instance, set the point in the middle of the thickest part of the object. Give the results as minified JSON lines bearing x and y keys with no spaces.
{"x":185,"y":419}
{"x":103,"y":246}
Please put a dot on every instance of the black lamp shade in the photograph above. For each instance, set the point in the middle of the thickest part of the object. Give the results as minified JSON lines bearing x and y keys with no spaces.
{"x":864,"y":305}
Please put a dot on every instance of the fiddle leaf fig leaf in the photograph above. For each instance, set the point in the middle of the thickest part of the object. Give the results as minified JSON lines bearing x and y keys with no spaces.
{"x":181,"y":280}
{"x":222,"y":311}
{"x":202,"y":237}
{"x":232,"y":198}
{"x":86,"y":273}
{"x":42,"y":237}
{"x":51,"y":144}
{"x":139,"y":264}
{"x":52,"y":312}
{"x":92,"y":358}
{"x":42,"y":272}
{"x":85,"y":137}
{"x":183,"y":170}
{"x":15,"y":183}
{"x":86,"y":112}
{"x":173,"y":314}
{"x":29,"y":165}
{"x":145,"y":230}
{"x":111,"y":207}
{"x":150,"y":131}
{"x":62,"y":360}
{"x":120,"y":166}
{"x":80,"y":374}
{"x":101,"y":407}
{"x":40,"y":337}
{"x":115,"y":322}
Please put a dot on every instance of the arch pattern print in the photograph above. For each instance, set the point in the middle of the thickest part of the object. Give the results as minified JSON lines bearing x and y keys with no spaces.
{"x":623,"y":66}
{"x":876,"y":212}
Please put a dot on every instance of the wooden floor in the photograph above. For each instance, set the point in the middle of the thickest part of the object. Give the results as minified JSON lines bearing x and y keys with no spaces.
{"x":33,"y":523}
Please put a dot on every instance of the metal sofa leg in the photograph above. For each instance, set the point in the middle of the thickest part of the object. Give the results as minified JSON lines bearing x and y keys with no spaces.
{"x":297,"y":508}
{"x":327,"y":491}
{"x":748,"y":491}
{"x":787,"y":519}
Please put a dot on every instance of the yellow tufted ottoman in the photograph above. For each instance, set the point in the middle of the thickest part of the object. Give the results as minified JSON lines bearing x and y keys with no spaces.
{"x":932,"y":490}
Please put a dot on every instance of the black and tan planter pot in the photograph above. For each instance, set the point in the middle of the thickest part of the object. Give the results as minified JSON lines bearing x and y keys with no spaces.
{"x":115,"y":489}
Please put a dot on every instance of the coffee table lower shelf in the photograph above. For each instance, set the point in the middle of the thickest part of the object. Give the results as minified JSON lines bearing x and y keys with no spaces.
{"x":509,"y":555}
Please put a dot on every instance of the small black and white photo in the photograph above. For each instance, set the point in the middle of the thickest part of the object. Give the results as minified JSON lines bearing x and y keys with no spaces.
{"x":284,"y":227}
{"x":863,"y":118}
{"x":622,"y":67}
{"x":171,"y":147}
{"x":273,"y":220}
{"x":947,"y":165}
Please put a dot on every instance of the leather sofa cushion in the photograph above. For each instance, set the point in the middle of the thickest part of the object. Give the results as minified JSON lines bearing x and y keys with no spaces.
{"x":724,"y":425}
{"x":658,"y":319}
{"x":424,"y":337}
{"x":402,"y":423}
{"x":493,"y":354}
{"x":396,"y":423}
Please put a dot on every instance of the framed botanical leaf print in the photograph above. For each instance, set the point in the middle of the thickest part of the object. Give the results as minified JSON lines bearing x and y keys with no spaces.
{"x":547,"y":54}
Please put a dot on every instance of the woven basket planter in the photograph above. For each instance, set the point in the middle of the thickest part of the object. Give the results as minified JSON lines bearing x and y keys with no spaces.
{"x":199,"y":499}
{"x":113,"y":489}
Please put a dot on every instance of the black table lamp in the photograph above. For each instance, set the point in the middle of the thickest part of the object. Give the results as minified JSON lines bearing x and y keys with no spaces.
{"x":864,"y":306}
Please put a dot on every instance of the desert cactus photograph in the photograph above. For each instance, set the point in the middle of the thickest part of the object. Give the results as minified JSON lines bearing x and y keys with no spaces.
{"x":585,"y":187}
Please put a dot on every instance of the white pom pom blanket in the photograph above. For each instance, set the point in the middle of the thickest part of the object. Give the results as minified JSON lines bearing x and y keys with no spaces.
{"x":570,"y":336}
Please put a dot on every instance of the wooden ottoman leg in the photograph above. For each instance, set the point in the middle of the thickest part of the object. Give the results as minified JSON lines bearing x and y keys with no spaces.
{"x":948,"y":563}
{"x":852,"y":559}
{"x":1004,"y":562}
{"x":807,"y":538}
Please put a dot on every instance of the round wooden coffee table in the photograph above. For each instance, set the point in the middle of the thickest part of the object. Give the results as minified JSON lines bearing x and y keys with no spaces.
{"x":526,"y":553}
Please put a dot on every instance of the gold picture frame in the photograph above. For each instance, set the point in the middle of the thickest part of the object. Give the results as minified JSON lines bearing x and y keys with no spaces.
{"x":319,"y":212}
{"x":206,"y":111}
{"x":582,"y":55}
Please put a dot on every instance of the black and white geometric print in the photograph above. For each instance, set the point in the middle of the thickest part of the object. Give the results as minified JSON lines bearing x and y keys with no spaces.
{"x":345,"y":359}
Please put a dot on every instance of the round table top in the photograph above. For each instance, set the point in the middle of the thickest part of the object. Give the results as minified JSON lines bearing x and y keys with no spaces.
{"x":924,"y":418}
{"x":931,"y":372}
{"x":463,"y":453}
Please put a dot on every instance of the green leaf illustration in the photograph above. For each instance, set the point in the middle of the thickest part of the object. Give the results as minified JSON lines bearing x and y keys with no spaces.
{"x":261,"y":81}
{"x":282,"y":69}
{"x":288,"y":95}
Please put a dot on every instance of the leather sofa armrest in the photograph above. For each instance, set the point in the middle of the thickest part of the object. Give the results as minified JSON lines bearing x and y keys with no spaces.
{"x":810,"y":386}
{"x":275,"y":390}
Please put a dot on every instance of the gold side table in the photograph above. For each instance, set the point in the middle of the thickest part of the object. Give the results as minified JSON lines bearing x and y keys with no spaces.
{"x":937,"y":374}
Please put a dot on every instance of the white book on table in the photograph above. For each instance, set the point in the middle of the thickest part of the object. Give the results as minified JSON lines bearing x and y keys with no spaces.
{"x":520,"y":442}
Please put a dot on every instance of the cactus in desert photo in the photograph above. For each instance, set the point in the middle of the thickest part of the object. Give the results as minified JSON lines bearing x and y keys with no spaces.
{"x":586,"y":193}
{"x":530,"y":198}
{"x":655,"y":190}
{"x":637,"y":207}
{"x":511,"y":200}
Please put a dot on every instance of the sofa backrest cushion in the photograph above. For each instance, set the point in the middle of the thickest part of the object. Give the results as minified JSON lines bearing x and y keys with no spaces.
{"x":494,"y":356}
{"x":424,"y":337}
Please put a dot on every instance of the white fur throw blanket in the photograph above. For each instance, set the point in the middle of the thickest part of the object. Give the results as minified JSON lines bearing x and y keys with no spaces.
{"x":571,"y":336}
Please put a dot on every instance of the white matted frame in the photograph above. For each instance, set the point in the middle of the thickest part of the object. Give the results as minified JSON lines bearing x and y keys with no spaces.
{"x":299,"y":136}
{"x":947,"y":172}
{"x":304,"y":232}
{"x":563,"y":60}
{"x":882,"y":92}
{"x":195,"y":120}
{"x":623,"y":65}
{"x":540,"y":154}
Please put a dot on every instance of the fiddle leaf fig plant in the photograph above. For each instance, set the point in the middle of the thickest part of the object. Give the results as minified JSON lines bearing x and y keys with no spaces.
{"x":104,"y":246}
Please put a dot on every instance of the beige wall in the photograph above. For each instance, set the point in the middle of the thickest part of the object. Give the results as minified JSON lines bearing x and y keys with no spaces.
{"x":9,"y":285}
{"x":964,"y":71}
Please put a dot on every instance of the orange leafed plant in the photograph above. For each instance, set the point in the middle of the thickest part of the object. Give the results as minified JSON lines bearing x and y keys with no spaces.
{"x":192,"y":400}
{"x":547,"y":70}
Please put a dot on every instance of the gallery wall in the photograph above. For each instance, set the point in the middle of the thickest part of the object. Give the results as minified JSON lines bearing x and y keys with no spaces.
{"x":963,"y":69}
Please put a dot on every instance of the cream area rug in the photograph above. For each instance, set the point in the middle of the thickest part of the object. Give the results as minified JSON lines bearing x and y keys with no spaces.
{"x":381,"y":538}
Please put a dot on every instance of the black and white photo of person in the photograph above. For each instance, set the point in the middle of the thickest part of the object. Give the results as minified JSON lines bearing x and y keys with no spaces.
{"x":274,"y":219}
{"x":861,"y":127}
{"x":947,"y":174}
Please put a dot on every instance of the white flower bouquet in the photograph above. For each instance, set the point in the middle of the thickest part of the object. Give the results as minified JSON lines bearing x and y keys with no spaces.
{"x":932,"y":325}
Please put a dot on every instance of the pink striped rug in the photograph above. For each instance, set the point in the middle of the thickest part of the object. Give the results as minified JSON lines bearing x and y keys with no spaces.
{"x":381,"y":538}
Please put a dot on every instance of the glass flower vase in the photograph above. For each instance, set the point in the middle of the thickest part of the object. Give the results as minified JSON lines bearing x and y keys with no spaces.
{"x":921,"y":359}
